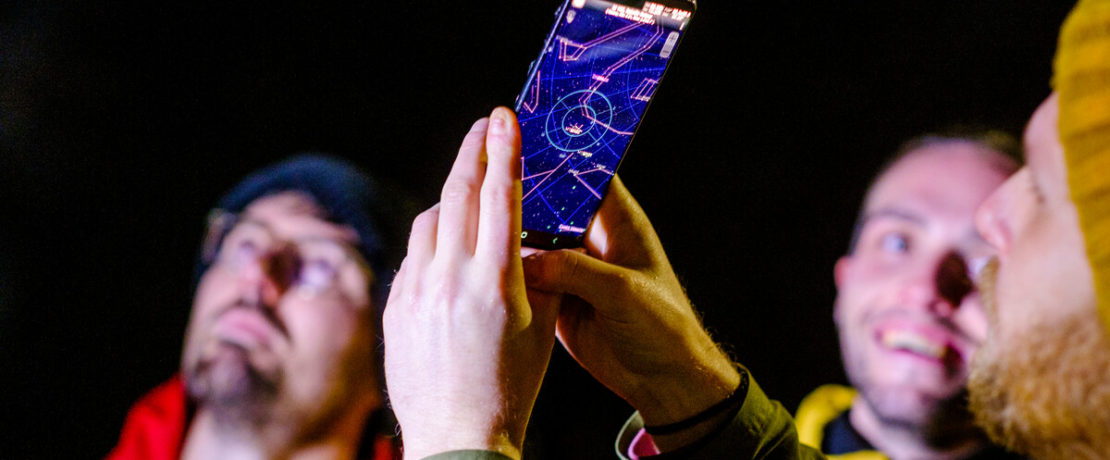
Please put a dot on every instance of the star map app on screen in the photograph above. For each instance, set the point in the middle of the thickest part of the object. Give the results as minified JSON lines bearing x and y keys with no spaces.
{"x":581,"y":106}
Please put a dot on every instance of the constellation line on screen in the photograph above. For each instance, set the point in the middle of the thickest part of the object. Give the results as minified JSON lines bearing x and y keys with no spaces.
{"x":583,"y":103}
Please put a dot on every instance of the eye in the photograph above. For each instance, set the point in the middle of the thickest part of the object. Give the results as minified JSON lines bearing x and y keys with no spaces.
{"x":240,"y":247}
{"x":245,"y":250}
{"x":317,"y":273}
{"x":895,"y":243}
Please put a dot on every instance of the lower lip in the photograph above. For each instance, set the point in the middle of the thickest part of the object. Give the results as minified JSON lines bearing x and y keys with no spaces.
{"x":240,"y":331}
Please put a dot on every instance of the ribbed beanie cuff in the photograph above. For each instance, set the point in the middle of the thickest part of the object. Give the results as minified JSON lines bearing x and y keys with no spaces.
{"x":1082,"y":79}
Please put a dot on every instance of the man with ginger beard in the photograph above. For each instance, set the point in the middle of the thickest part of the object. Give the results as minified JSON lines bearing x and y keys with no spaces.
{"x":281,"y":351}
{"x":1041,"y":384}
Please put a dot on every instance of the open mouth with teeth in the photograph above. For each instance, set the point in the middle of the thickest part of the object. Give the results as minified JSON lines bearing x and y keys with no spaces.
{"x":918,"y":344}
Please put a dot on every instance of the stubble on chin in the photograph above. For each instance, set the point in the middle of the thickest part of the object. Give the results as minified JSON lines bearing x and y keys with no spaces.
{"x":1046,"y":393}
{"x":226,"y":383}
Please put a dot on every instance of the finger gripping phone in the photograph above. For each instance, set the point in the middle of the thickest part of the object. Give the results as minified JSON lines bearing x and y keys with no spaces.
{"x":581,"y":106}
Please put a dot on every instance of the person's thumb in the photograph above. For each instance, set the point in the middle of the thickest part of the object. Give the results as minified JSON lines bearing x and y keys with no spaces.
{"x":573,"y":272}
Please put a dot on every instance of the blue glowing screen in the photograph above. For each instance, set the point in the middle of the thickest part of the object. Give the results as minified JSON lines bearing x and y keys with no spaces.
{"x":581,"y":106}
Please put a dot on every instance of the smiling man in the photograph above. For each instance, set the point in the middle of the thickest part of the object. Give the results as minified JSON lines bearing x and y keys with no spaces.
{"x":907,"y":313}
{"x":280,"y":355}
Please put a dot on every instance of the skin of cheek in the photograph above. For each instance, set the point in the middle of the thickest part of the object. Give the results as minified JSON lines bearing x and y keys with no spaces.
{"x":324,"y":337}
{"x":1044,"y":271}
{"x":857,"y":300}
{"x":212,"y":292}
{"x":1041,"y":280}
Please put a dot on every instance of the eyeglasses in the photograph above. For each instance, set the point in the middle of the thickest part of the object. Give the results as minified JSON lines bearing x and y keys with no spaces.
{"x":309,"y":267}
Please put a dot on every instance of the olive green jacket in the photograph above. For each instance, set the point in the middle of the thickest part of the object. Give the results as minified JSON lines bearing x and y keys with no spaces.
{"x":760,"y":429}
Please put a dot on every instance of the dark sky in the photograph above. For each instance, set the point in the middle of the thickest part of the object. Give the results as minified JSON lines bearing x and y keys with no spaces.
{"x":121,"y":125}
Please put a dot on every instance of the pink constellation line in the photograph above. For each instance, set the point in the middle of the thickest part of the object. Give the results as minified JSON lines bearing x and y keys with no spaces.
{"x":596,"y":84}
{"x":531,"y":108}
{"x":641,"y":50}
{"x":646,"y":86}
{"x":595,"y":170}
{"x":582,"y":47}
{"x":591,"y":189}
{"x":625,"y":60}
{"x":582,"y":173}
{"x":603,"y":125}
{"x":549,"y":173}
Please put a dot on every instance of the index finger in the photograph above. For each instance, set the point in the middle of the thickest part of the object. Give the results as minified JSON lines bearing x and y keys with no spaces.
{"x":499,"y":218}
{"x":459,"y":197}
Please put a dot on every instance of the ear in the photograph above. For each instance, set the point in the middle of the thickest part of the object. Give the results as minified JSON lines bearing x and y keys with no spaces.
{"x":839,"y":270}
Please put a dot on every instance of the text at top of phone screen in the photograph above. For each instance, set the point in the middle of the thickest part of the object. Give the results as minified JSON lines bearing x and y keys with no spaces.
{"x":583,"y":104}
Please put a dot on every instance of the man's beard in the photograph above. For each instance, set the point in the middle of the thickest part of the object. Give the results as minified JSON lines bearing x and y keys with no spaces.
{"x":233,"y":390}
{"x":1048,"y":394}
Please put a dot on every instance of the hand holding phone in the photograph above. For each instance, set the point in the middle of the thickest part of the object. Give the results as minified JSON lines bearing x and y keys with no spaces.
{"x":626,"y":319}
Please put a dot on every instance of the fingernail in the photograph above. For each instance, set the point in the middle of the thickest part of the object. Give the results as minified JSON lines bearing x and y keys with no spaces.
{"x":497,"y":122}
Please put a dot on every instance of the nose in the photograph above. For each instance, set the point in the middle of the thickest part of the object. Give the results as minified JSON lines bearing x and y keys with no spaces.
{"x":990,"y":221}
{"x":259,"y":281}
{"x":939,"y":285}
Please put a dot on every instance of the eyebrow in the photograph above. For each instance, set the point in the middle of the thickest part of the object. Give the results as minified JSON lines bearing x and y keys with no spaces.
{"x":903,"y":215}
{"x":308,"y":238}
{"x":892,"y":213}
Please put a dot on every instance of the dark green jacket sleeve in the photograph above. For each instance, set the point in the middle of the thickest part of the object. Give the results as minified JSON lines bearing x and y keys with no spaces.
{"x":468,"y":455}
{"x":760,"y":429}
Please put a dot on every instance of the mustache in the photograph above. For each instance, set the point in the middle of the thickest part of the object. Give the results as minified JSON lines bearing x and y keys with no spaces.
{"x":987,"y":284}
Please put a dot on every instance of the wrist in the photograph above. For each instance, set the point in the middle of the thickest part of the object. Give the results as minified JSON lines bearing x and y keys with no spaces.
{"x":690,"y":430}
{"x":727,"y":405}
{"x":688,"y":390}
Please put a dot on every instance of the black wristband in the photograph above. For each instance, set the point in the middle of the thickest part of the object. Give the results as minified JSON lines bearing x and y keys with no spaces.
{"x":733,"y":401}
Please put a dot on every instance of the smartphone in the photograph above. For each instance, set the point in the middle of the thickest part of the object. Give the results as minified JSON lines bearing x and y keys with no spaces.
{"x":583,"y":101}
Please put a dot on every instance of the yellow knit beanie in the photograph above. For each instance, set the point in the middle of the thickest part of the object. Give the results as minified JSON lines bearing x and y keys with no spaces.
{"x":1083,"y":83}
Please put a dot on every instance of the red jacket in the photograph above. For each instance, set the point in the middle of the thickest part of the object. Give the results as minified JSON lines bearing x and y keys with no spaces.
{"x":155,"y":427}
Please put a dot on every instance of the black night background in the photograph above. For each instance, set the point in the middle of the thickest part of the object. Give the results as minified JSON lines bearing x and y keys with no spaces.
{"x":122,"y":122}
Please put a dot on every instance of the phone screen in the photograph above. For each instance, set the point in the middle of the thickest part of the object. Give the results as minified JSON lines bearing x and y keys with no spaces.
{"x":581,"y":106}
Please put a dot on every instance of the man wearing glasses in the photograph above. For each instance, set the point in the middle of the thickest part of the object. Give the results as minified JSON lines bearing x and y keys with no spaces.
{"x":280,"y":352}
